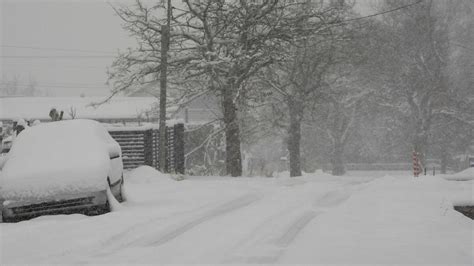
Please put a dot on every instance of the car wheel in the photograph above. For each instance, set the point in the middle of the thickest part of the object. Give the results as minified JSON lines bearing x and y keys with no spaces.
{"x":106,"y":207}
{"x":120,"y":194}
{"x":117,"y":190}
{"x":100,"y":209}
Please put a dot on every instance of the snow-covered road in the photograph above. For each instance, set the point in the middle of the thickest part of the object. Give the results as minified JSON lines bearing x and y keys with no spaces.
{"x":216,"y":220}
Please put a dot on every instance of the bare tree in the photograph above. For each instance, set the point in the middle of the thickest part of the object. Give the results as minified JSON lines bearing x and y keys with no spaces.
{"x":411,"y":67}
{"x":10,"y":87}
{"x":293,"y":82}
{"x":302,"y":78}
{"x":72,"y":112}
{"x":216,"y":46}
{"x":30,"y":89}
{"x":340,"y":112}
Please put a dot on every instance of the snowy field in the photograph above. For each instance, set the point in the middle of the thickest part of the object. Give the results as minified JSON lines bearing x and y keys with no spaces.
{"x":315,"y":219}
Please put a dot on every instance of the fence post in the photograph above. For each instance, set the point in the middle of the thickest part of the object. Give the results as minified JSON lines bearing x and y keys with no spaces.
{"x":179,"y":148}
{"x":148,"y":147}
{"x":169,"y":151}
{"x":155,"y":146}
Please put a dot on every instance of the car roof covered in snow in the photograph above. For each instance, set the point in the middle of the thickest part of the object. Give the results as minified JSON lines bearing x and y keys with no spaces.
{"x":52,"y":153}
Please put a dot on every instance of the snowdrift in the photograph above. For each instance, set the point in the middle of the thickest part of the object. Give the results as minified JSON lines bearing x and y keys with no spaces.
{"x":467,"y":174}
{"x":146,"y":174}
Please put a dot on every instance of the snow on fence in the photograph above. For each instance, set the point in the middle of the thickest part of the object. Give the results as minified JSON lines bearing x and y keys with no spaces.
{"x":140,"y":146}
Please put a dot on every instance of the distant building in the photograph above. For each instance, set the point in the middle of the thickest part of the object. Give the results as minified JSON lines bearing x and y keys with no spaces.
{"x":202,"y":109}
{"x":117,"y":110}
{"x":123,"y":110}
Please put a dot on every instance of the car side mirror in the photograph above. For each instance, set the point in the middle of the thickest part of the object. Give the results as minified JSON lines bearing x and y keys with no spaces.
{"x":114,"y":151}
{"x":3,"y":160}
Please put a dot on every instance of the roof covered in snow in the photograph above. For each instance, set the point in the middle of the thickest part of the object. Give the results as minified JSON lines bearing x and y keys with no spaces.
{"x":13,"y":108}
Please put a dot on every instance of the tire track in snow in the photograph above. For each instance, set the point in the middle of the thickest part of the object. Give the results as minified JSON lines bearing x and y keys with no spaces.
{"x":268,"y":248}
{"x":295,"y":228}
{"x":165,"y":235}
{"x":139,"y":234}
{"x":135,"y":229}
{"x":230,"y":206}
{"x":332,"y":199}
{"x":91,"y":247}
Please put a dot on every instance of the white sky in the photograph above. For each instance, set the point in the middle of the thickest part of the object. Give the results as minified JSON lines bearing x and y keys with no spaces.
{"x":64,"y":24}
{"x":81,"y":25}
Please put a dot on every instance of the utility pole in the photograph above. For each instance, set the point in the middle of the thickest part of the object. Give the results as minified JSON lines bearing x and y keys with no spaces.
{"x":165,"y":42}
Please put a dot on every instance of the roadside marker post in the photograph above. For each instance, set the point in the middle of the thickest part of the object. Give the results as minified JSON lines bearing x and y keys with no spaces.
{"x":416,"y":164}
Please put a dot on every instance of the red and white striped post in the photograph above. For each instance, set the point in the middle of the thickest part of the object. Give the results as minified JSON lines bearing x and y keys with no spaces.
{"x":416,"y":164}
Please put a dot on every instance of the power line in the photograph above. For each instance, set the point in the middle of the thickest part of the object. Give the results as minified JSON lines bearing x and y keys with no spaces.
{"x":57,"y":56}
{"x":60,"y":87}
{"x":57,"y":85}
{"x":51,"y":83}
{"x":56,"y":49}
{"x":42,"y":66}
{"x":110,"y":56}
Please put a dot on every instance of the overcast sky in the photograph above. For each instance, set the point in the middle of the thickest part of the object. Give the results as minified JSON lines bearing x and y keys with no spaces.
{"x":36,"y":35}
{"x":90,"y":27}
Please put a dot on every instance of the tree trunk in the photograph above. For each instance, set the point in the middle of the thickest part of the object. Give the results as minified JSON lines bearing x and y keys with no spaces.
{"x":232,"y":135}
{"x":338,"y":158}
{"x":339,"y":131}
{"x":294,"y":137}
{"x":444,"y":159}
{"x":419,"y":146}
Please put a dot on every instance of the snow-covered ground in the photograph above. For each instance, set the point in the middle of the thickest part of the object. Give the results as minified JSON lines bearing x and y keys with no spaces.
{"x":315,"y":219}
{"x":467,"y":174}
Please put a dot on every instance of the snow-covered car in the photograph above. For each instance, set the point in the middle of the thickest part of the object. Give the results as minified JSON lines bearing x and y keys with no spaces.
{"x":60,"y":167}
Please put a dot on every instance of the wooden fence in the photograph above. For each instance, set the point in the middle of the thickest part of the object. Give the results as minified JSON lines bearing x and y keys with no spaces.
{"x":140,"y":146}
